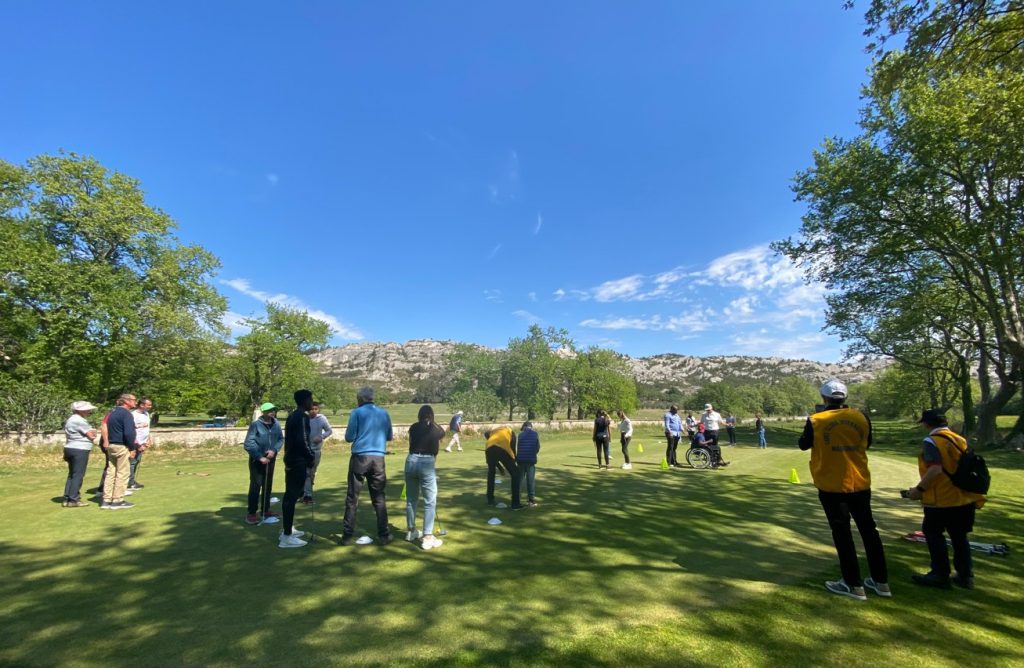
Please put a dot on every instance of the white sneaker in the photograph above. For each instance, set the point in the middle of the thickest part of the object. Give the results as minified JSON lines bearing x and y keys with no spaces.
{"x":295,"y":532}
{"x":627,"y":466}
{"x":880,"y":588}
{"x":429,"y":543}
{"x":449,"y":449}
{"x":460,"y":450}
{"x":413,"y":535}
{"x":128,"y":492}
{"x":840,"y":587}
{"x":291,"y":541}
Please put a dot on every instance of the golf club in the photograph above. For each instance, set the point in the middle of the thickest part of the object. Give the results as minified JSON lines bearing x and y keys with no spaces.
{"x":312,"y":514}
{"x":441,"y":531}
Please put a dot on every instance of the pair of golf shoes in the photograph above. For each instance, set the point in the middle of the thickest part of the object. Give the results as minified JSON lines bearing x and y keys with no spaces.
{"x":426,"y":542}
{"x":294,"y":540}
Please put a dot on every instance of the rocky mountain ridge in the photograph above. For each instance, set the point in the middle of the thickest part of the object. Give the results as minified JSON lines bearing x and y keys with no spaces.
{"x":401,"y":367}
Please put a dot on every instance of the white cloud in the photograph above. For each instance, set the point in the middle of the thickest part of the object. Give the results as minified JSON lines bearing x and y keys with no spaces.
{"x":811,"y":345}
{"x":273,"y":179}
{"x":697,"y":321}
{"x":803,"y":295}
{"x":740,"y":308}
{"x":493,"y":296}
{"x":538,"y":225}
{"x":623,"y":288}
{"x":338,"y":328}
{"x":532,"y":296}
{"x":234,"y":322}
{"x":528,"y":317}
{"x":559,"y":294}
{"x":757,"y":268}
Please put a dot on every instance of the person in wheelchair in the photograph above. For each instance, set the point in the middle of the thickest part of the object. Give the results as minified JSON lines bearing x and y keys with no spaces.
{"x":699,"y":441}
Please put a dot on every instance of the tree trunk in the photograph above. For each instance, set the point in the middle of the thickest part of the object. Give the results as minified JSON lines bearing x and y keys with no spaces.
{"x":966,"y":400}
{"x":985,"y":431}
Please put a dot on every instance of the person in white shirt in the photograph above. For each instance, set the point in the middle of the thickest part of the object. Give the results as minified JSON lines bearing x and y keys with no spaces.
{"x":691,"y":426}
{"x":80,"y":436}
{"x":143,"y":439}
{"x":319,"y":431}
{"x":711,"y":420}
{"x":625,"y":435}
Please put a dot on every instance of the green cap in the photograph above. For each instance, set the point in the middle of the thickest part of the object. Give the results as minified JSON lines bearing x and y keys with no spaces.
{"x":268,"y":407}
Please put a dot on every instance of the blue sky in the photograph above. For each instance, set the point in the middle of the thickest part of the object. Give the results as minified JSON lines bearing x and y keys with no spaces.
{"x":459,"y":170}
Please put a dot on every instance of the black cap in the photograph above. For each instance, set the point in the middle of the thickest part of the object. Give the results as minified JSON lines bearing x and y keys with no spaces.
{"x":933,"y":416}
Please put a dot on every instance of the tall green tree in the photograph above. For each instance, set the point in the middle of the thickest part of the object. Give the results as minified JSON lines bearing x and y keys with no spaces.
{"x":531,"y":370}
{"x":601,"y":378}
{"x":272,"y":360}
{"x":95,"y":289}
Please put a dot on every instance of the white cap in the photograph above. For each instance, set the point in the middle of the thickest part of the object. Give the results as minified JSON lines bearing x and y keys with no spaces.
{"x":833,"y":389}
{"x":458,"y":412}
{"x":708,"y":407}
{"x":82,"y":406}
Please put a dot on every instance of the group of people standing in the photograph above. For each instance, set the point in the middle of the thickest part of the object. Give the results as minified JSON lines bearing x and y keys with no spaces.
{"x":839,"y":438}
{"x":702,"y":433}
{"x":123,"y":436}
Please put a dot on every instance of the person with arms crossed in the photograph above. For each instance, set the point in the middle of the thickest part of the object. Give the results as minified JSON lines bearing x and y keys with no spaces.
{"x":79,"y":436}
{"x":319,"y":431}
{"x":838,"y":438}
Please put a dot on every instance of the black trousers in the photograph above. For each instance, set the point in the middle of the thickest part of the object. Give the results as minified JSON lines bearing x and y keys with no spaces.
{"x":294,"y":488}
{"x":602,"y":445}
{"x":732,"y":435}
{"x":957,"y":521}
{"x":498,"y":456}
{"x":839,"y":508}
{"x":363,"y":469}
{"x":673,"y":444}
{"x":711,"y":436}
{"x":77,"y":461}
{"x":624,"y":442}
{"x":256,"y":473}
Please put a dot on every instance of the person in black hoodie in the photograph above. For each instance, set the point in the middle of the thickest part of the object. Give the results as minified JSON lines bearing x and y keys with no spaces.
{"x":298,"y":456}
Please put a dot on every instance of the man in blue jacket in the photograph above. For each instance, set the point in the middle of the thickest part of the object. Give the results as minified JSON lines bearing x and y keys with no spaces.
{"x":527,"y":448}
{"x":120,"y":444}
{"x":263,"y":441}
{"x":368,"y":430}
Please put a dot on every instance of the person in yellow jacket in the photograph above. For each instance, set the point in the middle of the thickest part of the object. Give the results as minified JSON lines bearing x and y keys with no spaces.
{"x":947,"y":508}
{"x":501,"y":448}
{"x":839,"y":437}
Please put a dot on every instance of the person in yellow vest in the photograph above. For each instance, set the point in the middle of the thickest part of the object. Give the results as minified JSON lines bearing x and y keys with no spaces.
{"x":839,"y":437}
{"x":501,"y":449}
{"x":947,"y":508}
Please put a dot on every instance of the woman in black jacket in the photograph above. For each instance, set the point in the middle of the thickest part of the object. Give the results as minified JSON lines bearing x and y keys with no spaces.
{"x":602,"y":436}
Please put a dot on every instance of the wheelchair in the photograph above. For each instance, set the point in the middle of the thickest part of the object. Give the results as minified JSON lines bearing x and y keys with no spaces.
{"x":699,"y":457}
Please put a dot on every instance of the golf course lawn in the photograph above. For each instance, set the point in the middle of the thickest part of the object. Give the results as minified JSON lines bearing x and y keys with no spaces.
{"x":642,"y":567}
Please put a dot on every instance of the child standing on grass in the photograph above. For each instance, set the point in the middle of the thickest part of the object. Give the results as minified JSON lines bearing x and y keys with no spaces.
{"x":526,"y":457}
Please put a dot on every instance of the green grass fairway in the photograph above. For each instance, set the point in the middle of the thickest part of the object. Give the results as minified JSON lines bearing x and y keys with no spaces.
{"x":614,"y":568}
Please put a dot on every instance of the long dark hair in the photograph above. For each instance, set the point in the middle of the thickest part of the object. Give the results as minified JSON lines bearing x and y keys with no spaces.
{"x":426,"y":414}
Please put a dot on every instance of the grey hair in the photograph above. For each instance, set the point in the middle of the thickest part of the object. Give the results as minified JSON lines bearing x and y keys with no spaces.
{"x":365,"y":393}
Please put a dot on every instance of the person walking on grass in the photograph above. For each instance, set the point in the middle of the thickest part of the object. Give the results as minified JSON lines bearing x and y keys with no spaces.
{"x":838,"y":438}
{"x":673,"y":432}
{"x":762,"y":442}
{"x":369,"y":430}
{"x":602,"y":436}
{"x":120,"y":446}
{"x":79,"y":436}
{"x":262,"y":442}
{"x":527,"y":449}
{"x":421,"y":477}
{"x":500,"y":451}
{"x":947,"y":508}
{"x":143,"y":440}
{"x":319,"y":431}
{"x":625,"y":436}
{"x":455,"y":427}
{"x":298,"y":458}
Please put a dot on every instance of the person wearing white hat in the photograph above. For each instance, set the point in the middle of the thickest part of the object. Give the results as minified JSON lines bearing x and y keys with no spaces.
{"x":839,"y":437}
{"x":712,"y":420}
{"x":455,"y":427}
{"x":80,"y":436}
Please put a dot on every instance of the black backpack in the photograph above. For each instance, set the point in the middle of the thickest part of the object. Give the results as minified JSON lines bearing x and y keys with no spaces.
{"x":971,"y":473}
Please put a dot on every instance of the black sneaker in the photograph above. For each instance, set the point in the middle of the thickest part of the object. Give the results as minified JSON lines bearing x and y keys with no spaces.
{"x":120,"y":505}
{"x":385,"y":539}
{"x":346,"y":539}
{"x":932,"y":580}
{"x":517,"y":506}
{"x":136,"y":486}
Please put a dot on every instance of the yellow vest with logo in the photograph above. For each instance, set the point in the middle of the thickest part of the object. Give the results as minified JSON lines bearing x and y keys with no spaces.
{"x":501,"y":438}
{"x":839,"y":457}
{"x":941,"y":492}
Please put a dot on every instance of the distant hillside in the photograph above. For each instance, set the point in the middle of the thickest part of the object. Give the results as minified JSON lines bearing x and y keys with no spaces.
{"x":400,"y":367}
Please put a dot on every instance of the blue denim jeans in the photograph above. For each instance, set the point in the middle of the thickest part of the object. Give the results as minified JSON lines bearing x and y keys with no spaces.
{"x":761,"y":441}
{"x":529,"y":471}
{"x":420,"y":476}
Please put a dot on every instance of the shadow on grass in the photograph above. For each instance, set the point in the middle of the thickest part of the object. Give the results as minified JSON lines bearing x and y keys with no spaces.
{"x":203,"y":588}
